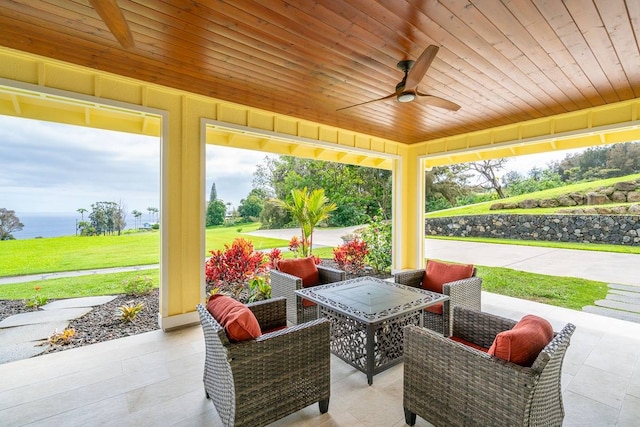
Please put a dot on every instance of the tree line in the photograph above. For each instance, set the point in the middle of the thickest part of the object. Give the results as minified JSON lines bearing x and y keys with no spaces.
{"x":359,"y":193}
{"x":108,"y":218}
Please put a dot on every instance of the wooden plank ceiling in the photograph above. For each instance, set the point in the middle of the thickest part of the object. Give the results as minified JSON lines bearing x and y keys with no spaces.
{"x":502,"y":61}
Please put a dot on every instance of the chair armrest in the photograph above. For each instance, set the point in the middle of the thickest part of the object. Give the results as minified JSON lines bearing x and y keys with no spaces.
{"x":409,"y":277}
{"x":478,"y":327}
{"x":465,"y":292}
{"x":271,"y":313}
{"x":330,"y":275}
{"x":284,"y":280}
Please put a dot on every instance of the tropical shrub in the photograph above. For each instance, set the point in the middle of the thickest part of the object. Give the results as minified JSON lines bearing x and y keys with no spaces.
{"x":232,"y":269}
{"x":377,"y":236}
{"x":129,"y":312}
{"x":259,"y":288}
{"x":308,"y":208}
{"x":294,"y":246}
{"x":350,"y":256}
{"x":37,"y":300}
{"x":274,"y":255}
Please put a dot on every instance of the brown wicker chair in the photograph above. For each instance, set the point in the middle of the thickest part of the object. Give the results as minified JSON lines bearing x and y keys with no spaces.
{"x":284,"y":285}
{"x":256,"y":382}
{"x":452,"y":384}
{"x":464,"y":293}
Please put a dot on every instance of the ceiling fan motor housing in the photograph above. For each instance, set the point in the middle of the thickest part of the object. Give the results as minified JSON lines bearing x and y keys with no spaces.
{"x":407,"y":96}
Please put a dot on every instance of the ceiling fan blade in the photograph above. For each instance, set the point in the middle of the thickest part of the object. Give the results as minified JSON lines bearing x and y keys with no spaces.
{"x":436,"y":101}
{"x":368,"y":102}
{"x":419,"y":69}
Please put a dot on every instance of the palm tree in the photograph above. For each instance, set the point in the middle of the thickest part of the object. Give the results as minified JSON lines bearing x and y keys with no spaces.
{"x":308,"y":208}
{"x":81,"y":211}
{"x":154,"y":213}
{"x":136,"y":214}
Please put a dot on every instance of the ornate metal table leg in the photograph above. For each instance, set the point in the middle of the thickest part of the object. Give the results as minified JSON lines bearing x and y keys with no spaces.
{"x":371,"y":356}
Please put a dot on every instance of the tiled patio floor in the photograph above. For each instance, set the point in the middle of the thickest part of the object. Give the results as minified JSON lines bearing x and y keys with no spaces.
{"x":155,"y":379}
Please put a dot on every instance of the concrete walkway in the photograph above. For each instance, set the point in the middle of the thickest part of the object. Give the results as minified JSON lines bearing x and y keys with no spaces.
{"x":25,"y":335}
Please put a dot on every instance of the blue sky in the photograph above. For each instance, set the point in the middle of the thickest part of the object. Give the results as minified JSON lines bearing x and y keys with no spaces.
{"x":49,"y":167}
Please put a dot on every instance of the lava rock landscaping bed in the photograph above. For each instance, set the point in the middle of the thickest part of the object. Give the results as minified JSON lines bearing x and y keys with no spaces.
{"x":102,"y":323}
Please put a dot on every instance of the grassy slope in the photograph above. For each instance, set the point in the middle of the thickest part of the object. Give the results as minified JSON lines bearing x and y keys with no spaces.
{"x":483,"y":208}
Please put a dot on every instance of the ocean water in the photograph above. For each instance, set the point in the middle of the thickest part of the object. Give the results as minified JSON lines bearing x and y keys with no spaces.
{"x":47,"y":224}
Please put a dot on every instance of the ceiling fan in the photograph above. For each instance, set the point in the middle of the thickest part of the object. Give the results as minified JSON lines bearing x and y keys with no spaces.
{"x":407,"y":89}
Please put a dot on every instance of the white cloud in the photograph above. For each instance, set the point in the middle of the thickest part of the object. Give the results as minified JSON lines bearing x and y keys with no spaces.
{"x":50,"y":167}
{"x":523,"y":164}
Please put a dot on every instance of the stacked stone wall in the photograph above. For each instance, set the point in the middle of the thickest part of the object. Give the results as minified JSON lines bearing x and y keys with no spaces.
{"x":606,"y":229}
{"x":620,"y":192}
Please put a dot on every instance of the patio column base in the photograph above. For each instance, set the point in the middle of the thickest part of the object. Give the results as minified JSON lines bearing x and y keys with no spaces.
{"x":178,"y":321}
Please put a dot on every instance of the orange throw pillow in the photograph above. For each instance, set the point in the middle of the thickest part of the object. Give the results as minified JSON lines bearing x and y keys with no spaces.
{"x":439,"y":273}
{"x":524,"y":342}
{"x":304,"y":268}
{"x":238,"y":321}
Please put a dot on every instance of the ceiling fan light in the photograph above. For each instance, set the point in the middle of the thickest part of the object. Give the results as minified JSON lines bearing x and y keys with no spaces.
{"x":406,"y":97}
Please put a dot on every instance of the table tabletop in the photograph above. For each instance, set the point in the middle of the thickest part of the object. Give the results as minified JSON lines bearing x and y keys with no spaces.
{"x":369,"y":299}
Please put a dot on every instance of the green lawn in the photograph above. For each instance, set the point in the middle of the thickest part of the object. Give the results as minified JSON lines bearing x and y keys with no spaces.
{"x":49,"y":255}
{"x":564,"y":292}
{"x":567,"y":292}
{"x":72,"y":287}
{"x":32,"y":256}
{"x":96,"y":284}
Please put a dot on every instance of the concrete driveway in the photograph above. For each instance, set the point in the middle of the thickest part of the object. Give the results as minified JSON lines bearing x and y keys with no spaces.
{"x":601,"y":266}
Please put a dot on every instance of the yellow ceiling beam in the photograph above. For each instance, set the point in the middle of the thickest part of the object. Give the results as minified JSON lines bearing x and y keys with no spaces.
{"x":346,"y":148}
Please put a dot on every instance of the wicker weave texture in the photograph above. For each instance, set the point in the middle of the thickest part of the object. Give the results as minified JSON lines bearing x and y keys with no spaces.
{"x":463,"y":293}
{"x":284,"y":285}
{"x":256,"y":382}
{"x":450,"y":384}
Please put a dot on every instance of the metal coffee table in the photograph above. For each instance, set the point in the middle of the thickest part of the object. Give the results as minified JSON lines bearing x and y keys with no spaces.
{"x":367,"y":316}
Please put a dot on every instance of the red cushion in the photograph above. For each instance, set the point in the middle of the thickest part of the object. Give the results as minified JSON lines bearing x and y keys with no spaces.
{"x":307,"y":303}
{"x":238,"y":321}
{"x":524,"y":342}
{"x":304,"y":268}
{"x":279,"y":328}
{"x":435,"y":308}
{"x":439,"y":273}
{"x":469,"y":344}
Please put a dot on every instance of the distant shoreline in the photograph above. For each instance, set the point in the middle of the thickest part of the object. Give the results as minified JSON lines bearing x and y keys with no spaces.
{"x":52,"y":224}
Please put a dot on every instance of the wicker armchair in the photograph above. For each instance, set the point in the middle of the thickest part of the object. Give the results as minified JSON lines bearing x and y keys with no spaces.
{"x":284,"y":285}
{"x":452,"y":384}
{"x":463,"y":293}
{"x":255,"y":382}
